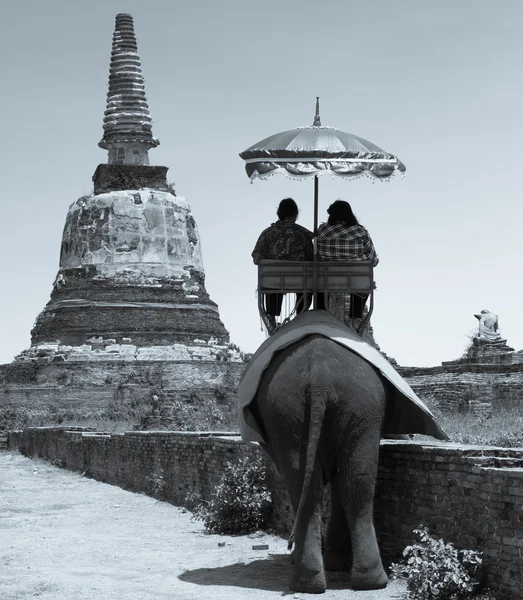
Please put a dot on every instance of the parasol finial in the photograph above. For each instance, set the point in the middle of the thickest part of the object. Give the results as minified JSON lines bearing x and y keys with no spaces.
{"x":317,"y":120}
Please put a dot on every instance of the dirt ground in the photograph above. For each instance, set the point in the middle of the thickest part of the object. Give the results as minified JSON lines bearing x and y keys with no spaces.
{"x":66,"y":537}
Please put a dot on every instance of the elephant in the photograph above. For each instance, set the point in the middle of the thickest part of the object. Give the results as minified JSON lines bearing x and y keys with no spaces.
{"x":320,"y":409}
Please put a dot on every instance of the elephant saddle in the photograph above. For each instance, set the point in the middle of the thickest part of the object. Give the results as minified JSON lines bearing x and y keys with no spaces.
{"x":407,"y":414}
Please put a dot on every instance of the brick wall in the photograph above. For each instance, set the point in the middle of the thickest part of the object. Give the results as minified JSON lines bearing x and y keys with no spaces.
{"x":468,"y":386}
{"x":469,"y":495}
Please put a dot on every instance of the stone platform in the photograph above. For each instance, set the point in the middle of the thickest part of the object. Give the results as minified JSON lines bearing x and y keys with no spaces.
{"x":99,"y":380}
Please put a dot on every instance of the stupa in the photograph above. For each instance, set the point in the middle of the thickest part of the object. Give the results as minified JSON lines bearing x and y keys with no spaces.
{"x":129,"y":318}
{"x":130,"y":261}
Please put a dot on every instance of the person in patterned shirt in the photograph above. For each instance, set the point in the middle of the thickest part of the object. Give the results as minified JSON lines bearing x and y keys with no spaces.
{"x":343,"y":238}
{"x":284,"y":240}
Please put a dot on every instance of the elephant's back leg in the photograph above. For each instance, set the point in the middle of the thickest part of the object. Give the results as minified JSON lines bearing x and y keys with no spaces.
{"x":308,"y":574}
{"x":350,"y":446}
{"x":355,"y":484}
{"x":338,"y":545}
{"x":282,"y":409}
{"x":288,"y":453}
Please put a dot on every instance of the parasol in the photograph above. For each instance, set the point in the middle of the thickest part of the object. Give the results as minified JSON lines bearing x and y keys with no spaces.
{"x":312,"y":151}
{"x":307,"y":152}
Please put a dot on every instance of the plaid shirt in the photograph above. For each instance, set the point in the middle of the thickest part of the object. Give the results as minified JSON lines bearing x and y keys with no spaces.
{"x":340,"y":242}
{"x":283,"y":241}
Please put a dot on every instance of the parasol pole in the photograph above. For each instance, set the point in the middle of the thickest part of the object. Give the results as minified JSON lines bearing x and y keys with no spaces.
{"x":316,"y":123}
{"x":315,"y":254}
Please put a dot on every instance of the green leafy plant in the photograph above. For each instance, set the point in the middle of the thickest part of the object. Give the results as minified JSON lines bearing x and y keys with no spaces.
{"x":435,"y":570}
{"x":240,"y":502}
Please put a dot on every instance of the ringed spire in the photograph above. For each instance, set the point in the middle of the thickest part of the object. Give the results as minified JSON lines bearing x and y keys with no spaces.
{"x":127,"y":124}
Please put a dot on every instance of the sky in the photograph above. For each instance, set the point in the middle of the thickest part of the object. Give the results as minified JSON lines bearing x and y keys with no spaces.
{"x":438,"y":84}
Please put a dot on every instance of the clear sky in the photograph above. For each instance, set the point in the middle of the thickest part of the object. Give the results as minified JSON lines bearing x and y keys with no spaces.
{"x":439,"y":84}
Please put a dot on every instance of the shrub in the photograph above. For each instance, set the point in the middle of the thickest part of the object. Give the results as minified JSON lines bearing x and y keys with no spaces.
{"x":246,"y":356}
{"x":241,"y":500}
{"x":14,"y":418}
{"x":193,"y":503}
{"x":470,"y":342}
{"x":155,"y":484}
{"x":507,"y":440}
{"x":24,"y":371}
{"x":435,"y":570}
{"x":223,"y":355}
{"x":503,"y":427}
{"x":200,"y":414}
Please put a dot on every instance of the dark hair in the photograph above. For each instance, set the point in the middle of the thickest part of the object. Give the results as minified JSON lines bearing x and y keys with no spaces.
{"x":287,"y":208}
{"x":341,"y":211}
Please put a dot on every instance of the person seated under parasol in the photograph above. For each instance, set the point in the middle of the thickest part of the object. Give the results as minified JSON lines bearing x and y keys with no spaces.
{"x":343,"y":238}
{"x":284,"y":240}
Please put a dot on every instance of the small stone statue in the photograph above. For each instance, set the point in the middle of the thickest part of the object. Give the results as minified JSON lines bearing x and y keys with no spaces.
{"x":488,"y":327}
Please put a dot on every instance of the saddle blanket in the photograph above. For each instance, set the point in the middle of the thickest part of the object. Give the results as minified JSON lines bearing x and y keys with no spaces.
{"x":408,"y":413}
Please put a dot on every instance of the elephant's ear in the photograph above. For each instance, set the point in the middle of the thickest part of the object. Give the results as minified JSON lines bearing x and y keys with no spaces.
{"x":250,"y":429}
{"x":403,"y":416}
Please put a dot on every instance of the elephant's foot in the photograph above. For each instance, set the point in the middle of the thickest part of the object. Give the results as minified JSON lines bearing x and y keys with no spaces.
{"x":371,"y":579}
{"x":337,"y":562}
{"x":307,"y":582}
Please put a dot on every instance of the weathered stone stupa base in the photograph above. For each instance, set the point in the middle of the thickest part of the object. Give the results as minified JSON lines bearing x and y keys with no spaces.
{"x":130,"y":270}
{"x":143,"y":315}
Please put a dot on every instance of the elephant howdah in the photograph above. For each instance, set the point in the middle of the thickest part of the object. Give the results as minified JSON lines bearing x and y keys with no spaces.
{"x":318,"y":399}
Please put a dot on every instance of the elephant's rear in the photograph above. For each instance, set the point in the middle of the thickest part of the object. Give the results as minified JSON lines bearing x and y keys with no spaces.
{"x":318,"y":386}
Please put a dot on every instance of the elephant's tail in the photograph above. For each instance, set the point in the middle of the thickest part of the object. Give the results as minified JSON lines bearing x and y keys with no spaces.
{"x":317,"y":392}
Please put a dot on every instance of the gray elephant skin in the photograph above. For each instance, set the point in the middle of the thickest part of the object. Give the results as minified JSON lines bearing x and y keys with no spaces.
{"x":321,"y":410}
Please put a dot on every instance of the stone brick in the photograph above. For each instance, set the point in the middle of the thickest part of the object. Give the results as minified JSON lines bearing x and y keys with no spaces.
{"x":477,"y":388}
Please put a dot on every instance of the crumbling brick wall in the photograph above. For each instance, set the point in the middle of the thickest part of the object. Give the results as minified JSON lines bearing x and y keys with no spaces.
{"x":458,"y":387}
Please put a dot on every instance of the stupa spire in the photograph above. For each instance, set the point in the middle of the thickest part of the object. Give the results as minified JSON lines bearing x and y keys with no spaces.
{"x":317,"y":120}
{"x":127,"y":124}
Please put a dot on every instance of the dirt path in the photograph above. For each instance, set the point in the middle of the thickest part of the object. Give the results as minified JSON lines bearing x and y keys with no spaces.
{"x":65,"y":537}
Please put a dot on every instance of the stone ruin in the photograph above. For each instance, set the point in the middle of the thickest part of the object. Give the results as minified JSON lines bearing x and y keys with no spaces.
{"x":488,"y":376}
{"x":131,"y":270}
{"x":129,"y":314}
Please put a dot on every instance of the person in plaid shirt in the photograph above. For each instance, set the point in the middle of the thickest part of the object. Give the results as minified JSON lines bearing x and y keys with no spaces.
{"x":284,"y":240}
{"x":343,"y":238}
